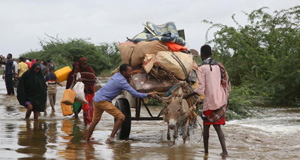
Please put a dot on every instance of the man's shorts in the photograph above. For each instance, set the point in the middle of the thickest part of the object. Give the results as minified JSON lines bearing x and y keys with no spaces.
{"x":100,"y":107}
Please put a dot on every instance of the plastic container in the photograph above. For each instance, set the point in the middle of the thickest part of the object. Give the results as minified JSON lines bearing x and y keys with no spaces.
{"x":66,"y":109}
{"x":69,"y":97}
{"x":62,"y":74}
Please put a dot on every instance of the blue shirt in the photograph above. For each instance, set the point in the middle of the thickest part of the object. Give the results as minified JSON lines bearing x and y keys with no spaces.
{"x":113,"y":88}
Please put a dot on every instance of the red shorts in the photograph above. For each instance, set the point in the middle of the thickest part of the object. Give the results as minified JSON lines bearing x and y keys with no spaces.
{"x":220,"y":122}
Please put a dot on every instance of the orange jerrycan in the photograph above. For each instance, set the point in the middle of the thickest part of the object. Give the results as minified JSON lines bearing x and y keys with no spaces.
{"x":68,"y":97}
{"x":62,"y":74}
{"x":66,"y":109}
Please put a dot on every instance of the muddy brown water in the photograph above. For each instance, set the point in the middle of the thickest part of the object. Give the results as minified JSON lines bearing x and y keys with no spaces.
{"x":273,"y":136}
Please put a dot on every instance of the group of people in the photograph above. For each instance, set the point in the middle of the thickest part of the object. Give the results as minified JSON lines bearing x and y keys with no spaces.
{"x":13,"y":70}
{"x":29,"y":79}
{"x":32,"y":92}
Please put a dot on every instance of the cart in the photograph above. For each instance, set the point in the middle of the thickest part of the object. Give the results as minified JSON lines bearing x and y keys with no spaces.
{"x":124,"y":106}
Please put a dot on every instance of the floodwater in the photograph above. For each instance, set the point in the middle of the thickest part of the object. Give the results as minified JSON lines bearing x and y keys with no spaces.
{"x":273,"y":136}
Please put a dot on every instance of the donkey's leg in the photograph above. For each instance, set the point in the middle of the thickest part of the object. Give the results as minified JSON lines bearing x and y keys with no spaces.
{"x":168,"y":133}
{"x":186,"y":129}
{"x":175,"y":133}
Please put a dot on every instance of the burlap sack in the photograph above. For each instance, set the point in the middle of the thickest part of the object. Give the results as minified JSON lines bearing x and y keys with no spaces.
{"x":166,"y":59}
{"x":134,"y":54}
{"x":143,"y":48}
{"x":126,"y":49}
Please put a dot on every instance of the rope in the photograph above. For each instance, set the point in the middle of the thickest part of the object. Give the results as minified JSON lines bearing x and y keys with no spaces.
{"x":181,"y":65}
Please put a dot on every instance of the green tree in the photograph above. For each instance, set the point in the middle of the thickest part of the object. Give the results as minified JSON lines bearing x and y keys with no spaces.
{"x":264,"y":54}
{"x":100,"y":58}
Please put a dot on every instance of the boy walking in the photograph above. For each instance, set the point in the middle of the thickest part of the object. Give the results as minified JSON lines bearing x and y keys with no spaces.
{"x":52,"y":87}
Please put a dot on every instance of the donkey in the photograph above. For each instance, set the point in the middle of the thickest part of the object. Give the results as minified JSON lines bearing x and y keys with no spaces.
{"x":176,"y":114}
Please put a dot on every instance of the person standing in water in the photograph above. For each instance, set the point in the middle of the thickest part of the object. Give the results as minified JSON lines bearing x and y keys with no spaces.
{"x":22,"y":67}
{"x":106,"y":94}
{"x":76,"y":105}
{"x":32,"y":91}
{"x":88,"y":77}
{"x":213,"y":88}
{"x":9,"y":74}
{"x":51,"y":80}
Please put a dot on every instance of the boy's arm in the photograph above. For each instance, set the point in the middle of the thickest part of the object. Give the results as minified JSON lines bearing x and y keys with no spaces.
{"x":58,"y":83}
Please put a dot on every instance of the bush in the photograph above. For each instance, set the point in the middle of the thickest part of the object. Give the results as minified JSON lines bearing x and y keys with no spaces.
{"x":263,"y":54}
{"x":100,"y":58}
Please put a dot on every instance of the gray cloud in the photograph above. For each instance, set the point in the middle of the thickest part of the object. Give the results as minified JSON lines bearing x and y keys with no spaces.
{"x":24,"y":22}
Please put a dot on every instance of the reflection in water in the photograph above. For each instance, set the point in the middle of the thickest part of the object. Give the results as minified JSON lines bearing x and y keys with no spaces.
{"x":32,"y":139}
{"x":73,"y":137}
{"x":52,"y":132}
{"x":121,"y":150}
{"x":9,"y":128}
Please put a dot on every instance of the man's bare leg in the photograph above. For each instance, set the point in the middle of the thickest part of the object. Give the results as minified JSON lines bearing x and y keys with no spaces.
{"x":91,"y":129}
{"x":114,"y":131}
{"x":221,"y":139}
{"x":206,"y":137}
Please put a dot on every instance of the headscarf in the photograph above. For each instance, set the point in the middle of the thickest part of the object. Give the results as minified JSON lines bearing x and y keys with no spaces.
{"x":32,"y":87}
{"x":70,"y":76}
{"x":86,"y":73}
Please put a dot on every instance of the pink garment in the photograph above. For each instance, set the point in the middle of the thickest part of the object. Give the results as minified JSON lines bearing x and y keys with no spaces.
{"x":210,"y":85}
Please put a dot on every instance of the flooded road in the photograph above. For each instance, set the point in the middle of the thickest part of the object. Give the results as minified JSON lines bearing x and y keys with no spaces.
{"x":53,"y":136}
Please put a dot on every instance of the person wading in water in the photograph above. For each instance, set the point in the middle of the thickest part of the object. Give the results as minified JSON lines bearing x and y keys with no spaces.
{"x":88,"y":77}
{"x":32,"y":91}
{"x":106,"y":94}
{"x":213,"y":88}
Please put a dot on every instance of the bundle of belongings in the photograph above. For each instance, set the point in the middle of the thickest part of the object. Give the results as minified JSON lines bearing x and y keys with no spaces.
{"x":159,"y":57}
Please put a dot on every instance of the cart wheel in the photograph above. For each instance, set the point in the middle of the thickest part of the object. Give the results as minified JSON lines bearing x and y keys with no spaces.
{"x":124,"y":107}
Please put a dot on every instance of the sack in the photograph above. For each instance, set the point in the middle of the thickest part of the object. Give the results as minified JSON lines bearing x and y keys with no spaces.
{"x":67,"y":109}
{"x":97,"y":85}
{"x":133,"y":54}
{"x":126,"y":51}
{"x":215,"y":116}
{"x":79,"y":90}
{"x":167,"y":60}
{"x":143,"y":48}
{"x":68,"y":97}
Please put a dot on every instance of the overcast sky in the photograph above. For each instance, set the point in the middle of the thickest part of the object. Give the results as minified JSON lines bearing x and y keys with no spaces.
{"x":25,"y":22}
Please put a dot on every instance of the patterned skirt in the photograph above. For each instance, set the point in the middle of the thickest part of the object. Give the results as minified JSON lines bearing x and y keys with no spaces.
{"x":88,"y":109}
{"x":220,"y":122}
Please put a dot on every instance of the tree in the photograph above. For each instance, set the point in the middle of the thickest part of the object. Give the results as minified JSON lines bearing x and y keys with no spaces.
{"x":263,"y":54}
{"x":100,"y":58}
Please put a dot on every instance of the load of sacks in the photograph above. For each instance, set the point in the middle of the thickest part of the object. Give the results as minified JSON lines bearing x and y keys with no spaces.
{"x":160,"y":58}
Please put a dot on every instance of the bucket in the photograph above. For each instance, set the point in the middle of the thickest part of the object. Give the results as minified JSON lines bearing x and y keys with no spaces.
{"x":66,"y":109}
{"x":62,"y":74}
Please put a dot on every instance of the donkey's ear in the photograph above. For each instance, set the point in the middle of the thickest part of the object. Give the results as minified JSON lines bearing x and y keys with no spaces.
{"x":167,"y":99}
